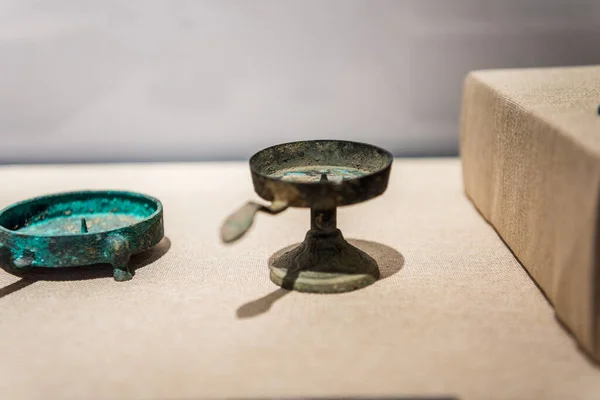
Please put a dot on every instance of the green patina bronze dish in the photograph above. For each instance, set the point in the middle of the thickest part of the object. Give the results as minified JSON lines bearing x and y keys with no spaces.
{"x":321,"y":175}
{"x":79,"y":228}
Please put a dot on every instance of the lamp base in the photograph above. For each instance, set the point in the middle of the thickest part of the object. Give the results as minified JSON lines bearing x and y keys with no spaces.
{"x":324,"y":263}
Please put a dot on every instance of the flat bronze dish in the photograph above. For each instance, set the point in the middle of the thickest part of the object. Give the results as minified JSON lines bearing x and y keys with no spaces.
{"x":321,"y":175}
{"x":79,"y":228}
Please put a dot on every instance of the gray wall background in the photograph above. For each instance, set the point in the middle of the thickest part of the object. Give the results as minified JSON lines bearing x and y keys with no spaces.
{"x":110,"y":80}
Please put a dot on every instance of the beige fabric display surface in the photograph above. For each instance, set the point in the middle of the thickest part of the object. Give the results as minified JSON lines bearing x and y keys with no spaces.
{"x":455,"y":314}
{"x":530,"y":145}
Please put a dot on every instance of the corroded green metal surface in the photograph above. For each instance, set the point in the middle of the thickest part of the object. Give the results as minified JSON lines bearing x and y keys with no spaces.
{"x":79,"y":228}
{"x":316,"y":173}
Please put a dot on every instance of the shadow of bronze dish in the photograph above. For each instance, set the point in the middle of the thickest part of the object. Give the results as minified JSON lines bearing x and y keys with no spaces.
{"x":87,"y":272}
{"x":389,"y":262}
{"x":260,"y":306}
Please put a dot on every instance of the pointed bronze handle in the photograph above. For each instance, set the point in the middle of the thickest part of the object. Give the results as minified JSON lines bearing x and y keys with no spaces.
{"x":238,"y":223}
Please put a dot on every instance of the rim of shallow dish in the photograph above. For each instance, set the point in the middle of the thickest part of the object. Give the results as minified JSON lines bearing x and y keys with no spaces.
{"x":388,"y":163}
{"x":121,"y":193}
